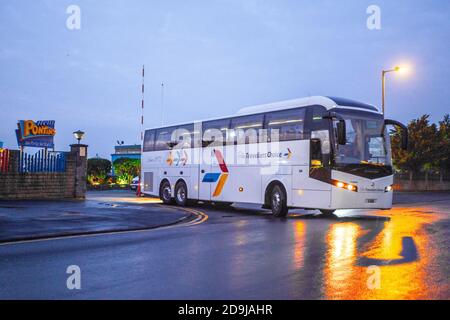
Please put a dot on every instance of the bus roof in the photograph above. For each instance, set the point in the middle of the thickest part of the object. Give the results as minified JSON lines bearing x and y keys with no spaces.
{"x":327,"y":102}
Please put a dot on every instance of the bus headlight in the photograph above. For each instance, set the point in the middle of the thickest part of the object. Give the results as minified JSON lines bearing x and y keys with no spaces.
{"x":388,"y":188}
{"x":343,"y":185}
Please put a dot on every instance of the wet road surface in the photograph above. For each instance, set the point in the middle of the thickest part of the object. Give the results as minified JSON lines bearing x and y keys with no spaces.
{"x":244,"y":253}
{"x":101,"y":212}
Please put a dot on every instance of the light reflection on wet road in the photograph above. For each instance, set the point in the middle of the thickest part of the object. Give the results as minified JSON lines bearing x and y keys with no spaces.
{"x":247,"y":254}
{"x":404,"y":249}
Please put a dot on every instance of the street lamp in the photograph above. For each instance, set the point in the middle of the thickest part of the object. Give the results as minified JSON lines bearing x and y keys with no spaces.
{"x":78,"y":135}
{"x":383,"y":84}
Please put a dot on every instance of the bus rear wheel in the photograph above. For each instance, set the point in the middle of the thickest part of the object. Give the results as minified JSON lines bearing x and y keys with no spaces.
{"x":166,"y":193}
{"x":181,"y":194}
{"x":278,"y":202}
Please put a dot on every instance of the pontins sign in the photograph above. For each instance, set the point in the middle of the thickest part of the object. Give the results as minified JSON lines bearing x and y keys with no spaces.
{"x":36,"y":134}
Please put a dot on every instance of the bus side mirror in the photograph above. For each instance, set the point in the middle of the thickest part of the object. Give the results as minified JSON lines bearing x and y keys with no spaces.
{"x":315,"y":152}
{"x":404,"y":130}
{"x":341,"y":132}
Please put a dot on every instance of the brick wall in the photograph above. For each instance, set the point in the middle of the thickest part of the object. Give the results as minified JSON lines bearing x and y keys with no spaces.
{"x":68,"y":184}
{"x":421,"y":185}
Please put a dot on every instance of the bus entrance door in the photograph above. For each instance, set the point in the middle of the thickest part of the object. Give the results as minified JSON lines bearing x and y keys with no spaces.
{"x":206,"y":176}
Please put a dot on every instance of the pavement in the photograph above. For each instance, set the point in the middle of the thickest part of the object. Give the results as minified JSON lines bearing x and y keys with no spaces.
{"x":101,"y":212}
{"x":245,"y":253}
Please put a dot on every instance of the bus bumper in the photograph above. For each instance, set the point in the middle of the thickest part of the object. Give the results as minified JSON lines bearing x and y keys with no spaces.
{"x":345,"y":199}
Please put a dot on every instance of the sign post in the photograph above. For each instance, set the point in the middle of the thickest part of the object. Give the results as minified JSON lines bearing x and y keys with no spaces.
{"x":37,"y":134}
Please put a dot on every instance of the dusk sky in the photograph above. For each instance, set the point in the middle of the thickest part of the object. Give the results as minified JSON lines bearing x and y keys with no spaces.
{"x":214,"y":57}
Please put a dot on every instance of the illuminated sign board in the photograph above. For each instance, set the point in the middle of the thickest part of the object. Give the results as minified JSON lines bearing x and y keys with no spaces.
{"x":36,"y":134}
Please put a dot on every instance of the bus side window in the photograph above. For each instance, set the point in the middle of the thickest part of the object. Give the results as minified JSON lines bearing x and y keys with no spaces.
{"x":289,"y":123}
{"x":315,"y":153}
{"x":245,"y":129}
{"x":164,"y":139}
{"x":315,"y":119}
{"x":183,"y":136}
{"x":214,"y":132}
{"x":324,"y":137}
{"x":320,"y":148}
{"x":149,"y":140}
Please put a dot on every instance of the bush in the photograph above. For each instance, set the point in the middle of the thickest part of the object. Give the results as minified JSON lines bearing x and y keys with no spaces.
{"x":98,"y":170}
{"x":126,"y":169}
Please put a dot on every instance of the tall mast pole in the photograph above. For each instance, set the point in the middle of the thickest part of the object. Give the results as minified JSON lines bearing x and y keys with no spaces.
{"x":142,"y":106}
{"x":162,"y":103}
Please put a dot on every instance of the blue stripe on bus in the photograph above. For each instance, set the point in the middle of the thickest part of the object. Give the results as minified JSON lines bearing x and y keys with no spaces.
{"x":211,"y":177}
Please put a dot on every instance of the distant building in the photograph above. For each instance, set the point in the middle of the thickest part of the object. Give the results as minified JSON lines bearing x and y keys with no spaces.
{"x":126,"y":151}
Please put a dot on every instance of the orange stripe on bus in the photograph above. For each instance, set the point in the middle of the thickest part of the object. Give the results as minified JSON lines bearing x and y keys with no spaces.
{"x":220,"y":184}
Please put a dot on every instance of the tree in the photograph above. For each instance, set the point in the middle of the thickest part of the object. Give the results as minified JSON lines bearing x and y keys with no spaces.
{"x":98,"y":166}
{"x":443,"y":151}
{"x":97,"y":170}
{"x":126,"y":169}
{"x":422,"y":149}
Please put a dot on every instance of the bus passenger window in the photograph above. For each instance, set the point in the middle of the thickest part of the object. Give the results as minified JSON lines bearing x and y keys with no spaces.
{"x":164,"y":139}
{"x":149,"y":140}
{"x":289,"y":124}
{"x":246,"y":128}
{"x":214,"y":132}
{"x":183,"y":136}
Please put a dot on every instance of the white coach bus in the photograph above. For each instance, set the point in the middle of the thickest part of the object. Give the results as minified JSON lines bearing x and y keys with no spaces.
{"x":318,"y":152}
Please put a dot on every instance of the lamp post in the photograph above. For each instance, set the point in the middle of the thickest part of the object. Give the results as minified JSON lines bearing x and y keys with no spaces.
{"x":78,"y":135}
{"x":383,"y":84}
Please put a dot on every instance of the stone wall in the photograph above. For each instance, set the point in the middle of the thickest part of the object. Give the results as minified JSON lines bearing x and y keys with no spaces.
{"x":46,"y":185}
{"x":421,"y":185}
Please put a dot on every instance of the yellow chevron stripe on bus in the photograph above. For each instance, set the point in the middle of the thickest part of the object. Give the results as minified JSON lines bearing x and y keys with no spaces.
{"x":220,"y":184}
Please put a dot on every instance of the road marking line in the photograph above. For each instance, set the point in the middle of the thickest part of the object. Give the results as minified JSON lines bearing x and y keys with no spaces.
{"x":201,"y":217}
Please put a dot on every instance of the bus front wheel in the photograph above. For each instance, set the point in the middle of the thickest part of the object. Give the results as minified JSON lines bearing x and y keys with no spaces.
{"x":278,"y":202}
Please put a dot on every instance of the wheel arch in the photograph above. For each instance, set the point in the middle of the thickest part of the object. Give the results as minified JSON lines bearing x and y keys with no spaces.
{"x":181,"y":180}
